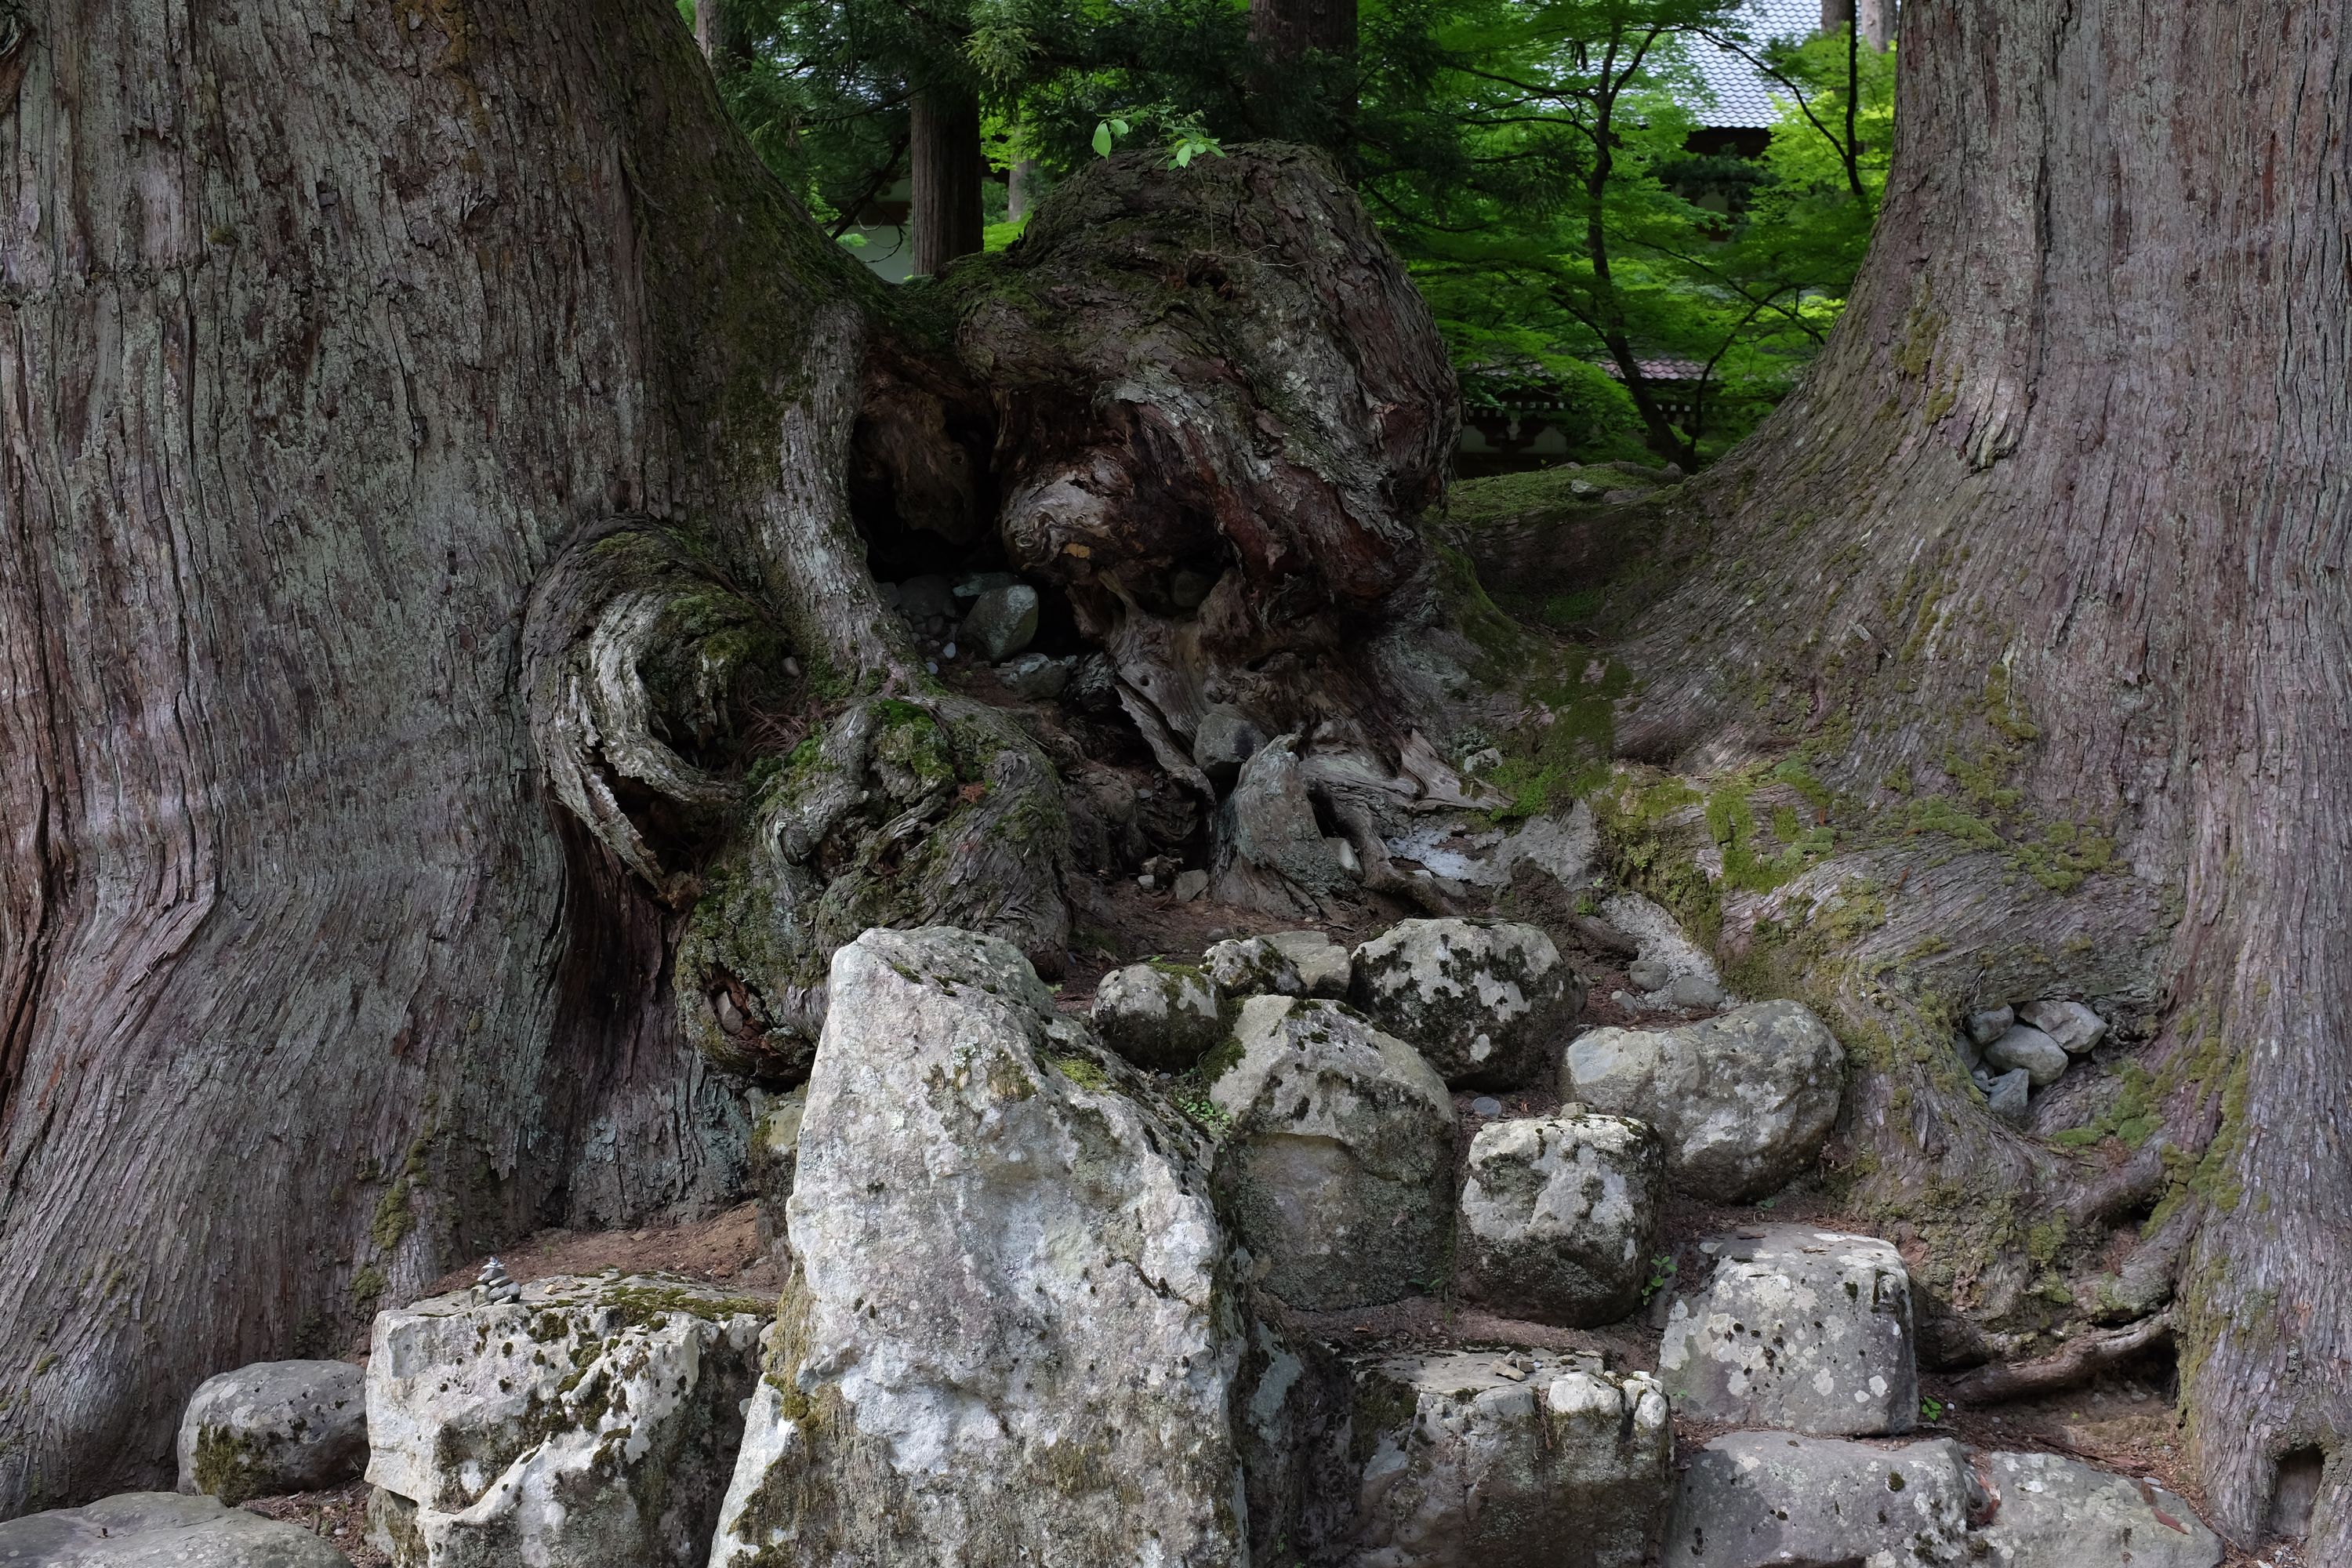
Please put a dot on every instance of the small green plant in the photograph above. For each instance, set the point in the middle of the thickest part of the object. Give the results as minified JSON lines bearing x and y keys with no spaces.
{"x":1932,"y":1409}
{"x":1106,"y":132}
{"x":1662,"y":1274}
{"x":1192,"y":142}
{"x":1191,"y":1097}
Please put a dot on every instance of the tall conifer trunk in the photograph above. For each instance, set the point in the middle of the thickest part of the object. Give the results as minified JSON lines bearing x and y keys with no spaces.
{"x":321,"y":334}
{"x":427,"y":438}
{"x":943,"y":148}
{"x":2044,"y":572}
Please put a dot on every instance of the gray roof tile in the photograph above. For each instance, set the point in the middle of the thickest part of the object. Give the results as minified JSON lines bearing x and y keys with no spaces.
{"x":1742,"y":96}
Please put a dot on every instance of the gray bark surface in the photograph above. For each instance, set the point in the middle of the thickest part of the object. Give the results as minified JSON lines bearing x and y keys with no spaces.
{"x":2054,"y":535}
{"x":1219,"y":374}
{"x":320,"y":333}
{"x":433,"y":609}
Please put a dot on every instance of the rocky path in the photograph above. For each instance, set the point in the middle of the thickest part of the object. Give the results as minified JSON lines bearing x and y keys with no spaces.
{"x":1447,"y":1242}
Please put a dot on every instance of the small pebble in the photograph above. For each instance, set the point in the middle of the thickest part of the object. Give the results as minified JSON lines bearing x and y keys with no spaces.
{"x":1486,"y":1105}
{"x":948,"y":652}
{"x":932,"y":665}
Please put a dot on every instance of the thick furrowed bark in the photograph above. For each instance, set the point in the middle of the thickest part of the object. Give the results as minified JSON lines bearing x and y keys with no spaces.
{"x":426,"y":441}
{"x":2045,"y":562}
{"x":1219,"y":407}
{"x":321,"y":331}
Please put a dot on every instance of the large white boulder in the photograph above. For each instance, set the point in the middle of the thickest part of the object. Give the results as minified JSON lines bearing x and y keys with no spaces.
{"x":1744,"y":1100}
{"x":2052,"y":1513}
{"x":159,"y":1529}
{"x":273,"y":1428}
{"x":1482,"y":1459}
{"x":585,"y":1423}
{"x":1013,"y":1338}
{"x":1489,"y":1003}
{"x":1803,"y":1328}
{"x":1559,"y":1216}
{"x":1767,"y":1499}
{"x":1337,"y":1170}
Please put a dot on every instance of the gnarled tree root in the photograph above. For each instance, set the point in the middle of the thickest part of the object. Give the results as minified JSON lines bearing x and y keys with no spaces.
{"x":2077,"y":1363}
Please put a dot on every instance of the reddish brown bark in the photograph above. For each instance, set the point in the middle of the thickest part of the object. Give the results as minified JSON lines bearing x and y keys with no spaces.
{"x":421,"y":437}
{"x":943,"y":150}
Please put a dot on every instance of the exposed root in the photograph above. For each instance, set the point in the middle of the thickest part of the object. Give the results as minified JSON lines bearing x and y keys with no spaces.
{"x":630,"y":644}
{"x":1432,"y":895}
{"x":2078,"y":1363}
{"x":2132,"y":1184}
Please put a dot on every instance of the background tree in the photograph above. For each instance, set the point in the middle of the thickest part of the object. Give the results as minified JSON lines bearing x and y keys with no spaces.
{"x":1534,"y":163}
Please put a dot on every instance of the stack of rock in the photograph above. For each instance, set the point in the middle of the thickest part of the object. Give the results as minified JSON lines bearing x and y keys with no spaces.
{"x":494,"y":1285}
{"x":2011,"y":1051}
{"x":1032,"y":1315}
{"x":990,"y":617}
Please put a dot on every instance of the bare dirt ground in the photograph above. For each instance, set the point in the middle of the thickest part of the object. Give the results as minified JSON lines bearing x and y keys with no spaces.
{"x":338,"y":1517}
{"x":723,"y":1249}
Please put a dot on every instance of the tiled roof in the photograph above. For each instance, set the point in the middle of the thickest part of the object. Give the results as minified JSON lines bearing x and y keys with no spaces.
{"x":1743,"y":94}
{"x":1661,"y":369}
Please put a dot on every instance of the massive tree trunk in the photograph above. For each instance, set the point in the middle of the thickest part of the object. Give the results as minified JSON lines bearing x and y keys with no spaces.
{"x":378,"y":390}
{"x":943,"y":152}
{"x":1317,"y":37}
{"x":2036,"y":593}
{"x":450,"y":719}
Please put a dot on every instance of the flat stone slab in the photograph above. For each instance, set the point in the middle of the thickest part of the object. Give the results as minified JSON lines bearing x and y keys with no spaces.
{"x":160,"y":1530}
{"x":1768,"y":1499}
{"x":1800,"y":1329}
